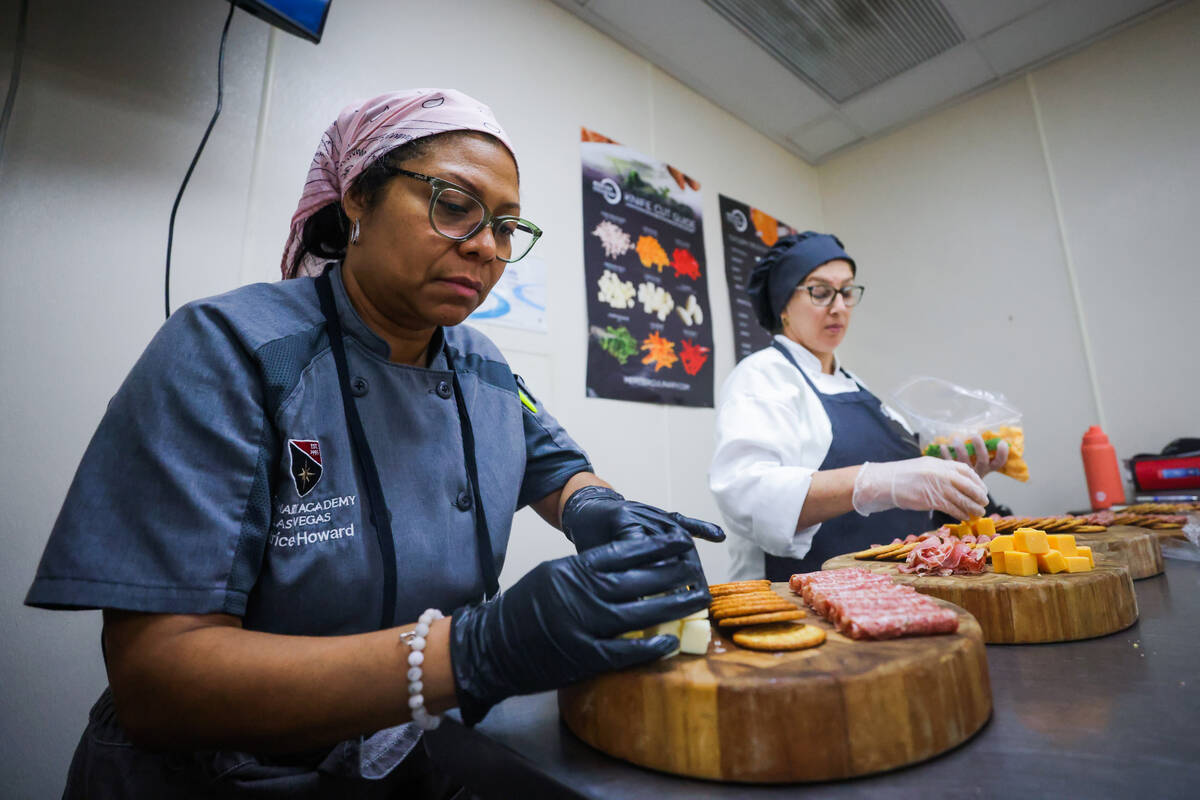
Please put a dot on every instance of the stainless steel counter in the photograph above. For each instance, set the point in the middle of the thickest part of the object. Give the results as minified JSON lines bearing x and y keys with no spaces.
{"x":1117,"y":716}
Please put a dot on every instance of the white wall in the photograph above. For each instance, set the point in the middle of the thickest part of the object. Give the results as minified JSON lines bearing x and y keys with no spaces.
{"x":113,"y":99}
{"x":973,"y":268}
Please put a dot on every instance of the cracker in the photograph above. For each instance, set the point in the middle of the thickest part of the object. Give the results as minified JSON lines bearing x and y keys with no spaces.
{"x":879,"y":551}
{"x":737,"y":587}
{"x":744,"y":597}
{"x":779,"y":636}
{"x":1090,"y":529}
{"x":760,"y":619}
{"x":750,"y":608}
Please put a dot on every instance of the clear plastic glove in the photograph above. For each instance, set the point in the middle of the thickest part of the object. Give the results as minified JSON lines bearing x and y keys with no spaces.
{"x":920,"y":484}
{"x":559,"y":624}
{"x":989,"y":462}
{"x":595,"y":515}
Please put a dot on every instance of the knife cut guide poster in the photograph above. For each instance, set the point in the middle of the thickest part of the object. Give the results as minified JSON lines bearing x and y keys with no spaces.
{"x":649,"y":332}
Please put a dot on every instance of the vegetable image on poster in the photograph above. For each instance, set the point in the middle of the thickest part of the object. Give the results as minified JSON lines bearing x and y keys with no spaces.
{"x":746,"y":233}
{"x":649,"y":328}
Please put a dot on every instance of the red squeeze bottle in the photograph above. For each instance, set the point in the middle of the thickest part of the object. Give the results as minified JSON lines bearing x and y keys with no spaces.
{"x":1100,"y":469}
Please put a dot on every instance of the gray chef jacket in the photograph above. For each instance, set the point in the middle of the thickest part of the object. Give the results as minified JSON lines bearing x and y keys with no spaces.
{"x":222,"y":480}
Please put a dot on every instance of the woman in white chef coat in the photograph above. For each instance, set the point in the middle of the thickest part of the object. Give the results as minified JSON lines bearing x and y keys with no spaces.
{"x":808,"y":463}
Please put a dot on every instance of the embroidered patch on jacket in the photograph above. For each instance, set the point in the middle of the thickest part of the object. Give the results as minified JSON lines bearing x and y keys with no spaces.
{"x":306,"y":464}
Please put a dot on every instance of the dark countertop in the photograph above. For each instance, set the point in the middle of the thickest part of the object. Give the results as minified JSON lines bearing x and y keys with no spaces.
{"x":1117,"y":716}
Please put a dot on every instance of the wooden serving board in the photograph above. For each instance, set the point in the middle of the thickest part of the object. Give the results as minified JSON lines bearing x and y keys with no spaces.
{"x":1039,"y":608}
{"x":1137,"y":548}
{"x":843,"y":709}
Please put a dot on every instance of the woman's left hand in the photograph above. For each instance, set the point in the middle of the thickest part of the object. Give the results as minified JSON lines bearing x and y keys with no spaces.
{"x":985,"y":461}
{"x":594,"y":515}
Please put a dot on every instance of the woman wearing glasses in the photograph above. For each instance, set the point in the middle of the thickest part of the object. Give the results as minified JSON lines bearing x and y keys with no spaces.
{"x":297,"y":503}
{"x":808,"y":463}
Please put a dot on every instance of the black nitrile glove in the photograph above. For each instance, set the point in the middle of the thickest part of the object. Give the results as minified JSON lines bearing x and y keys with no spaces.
{"x":595,"y":515}
{"x":559,"y":623}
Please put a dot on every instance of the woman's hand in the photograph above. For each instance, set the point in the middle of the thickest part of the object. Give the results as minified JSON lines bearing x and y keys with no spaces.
{"x":561,"y":622}
{"x":985,"y":461}
{"x":920,"y":484}
{"x":594,"y":515}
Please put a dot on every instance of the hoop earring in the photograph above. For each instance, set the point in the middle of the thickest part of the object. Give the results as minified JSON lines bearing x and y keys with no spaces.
{"x":354,"y":232}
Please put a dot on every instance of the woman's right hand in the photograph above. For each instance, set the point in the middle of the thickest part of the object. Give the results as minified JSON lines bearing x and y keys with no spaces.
{"x":561,"y":622}
{"x":920,"y":484}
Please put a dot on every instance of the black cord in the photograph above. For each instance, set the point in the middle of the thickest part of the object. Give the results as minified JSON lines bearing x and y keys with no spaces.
{"x":11,"y":98}
{"x":195,"y":158}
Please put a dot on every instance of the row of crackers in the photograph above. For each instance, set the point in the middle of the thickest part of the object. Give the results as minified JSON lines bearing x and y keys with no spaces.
{"x":760,"y":618}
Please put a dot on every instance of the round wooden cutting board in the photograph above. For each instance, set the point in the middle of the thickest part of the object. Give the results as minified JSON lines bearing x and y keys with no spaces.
{"x":843,"y":709}
{"x":1137,"y":548}
{"x":1038,"y":608}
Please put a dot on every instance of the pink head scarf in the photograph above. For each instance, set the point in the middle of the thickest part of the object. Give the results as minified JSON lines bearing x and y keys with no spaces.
{"x":367,"y":130}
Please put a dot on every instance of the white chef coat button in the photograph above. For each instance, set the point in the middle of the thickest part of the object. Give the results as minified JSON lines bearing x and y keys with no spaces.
{"x":359,"y":386}
{"x":443,"y":390}
{"x":463,"y":501}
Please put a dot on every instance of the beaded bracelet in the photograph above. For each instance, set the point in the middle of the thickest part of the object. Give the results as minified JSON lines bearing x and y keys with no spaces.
{"x":416,"y":657}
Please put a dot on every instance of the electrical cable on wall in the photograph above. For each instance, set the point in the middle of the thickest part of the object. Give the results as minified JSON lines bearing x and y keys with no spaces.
{"x":11,"y":98}
{"x":196,"y":158}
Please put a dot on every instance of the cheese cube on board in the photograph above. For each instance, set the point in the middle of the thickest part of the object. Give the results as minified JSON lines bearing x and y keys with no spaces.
{"x":984,"y":526}
{"x":998,"y":561}
{"x":1085,"y":550}
{"x":1062,"y":542}
{"x":1018,"y":563}
{"x":1078,"y":564}
{"x":1051,"y":562}
{"x":1000,"y":544}
{"x":694,"y":638}
{"x":1030,"y":540}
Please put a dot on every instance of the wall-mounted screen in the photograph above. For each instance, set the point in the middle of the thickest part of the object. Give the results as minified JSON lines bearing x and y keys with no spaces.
{"x":305,"y":18}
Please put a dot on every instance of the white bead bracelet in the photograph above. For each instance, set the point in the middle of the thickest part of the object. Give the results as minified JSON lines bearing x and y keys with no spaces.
{"x":416,"y":657}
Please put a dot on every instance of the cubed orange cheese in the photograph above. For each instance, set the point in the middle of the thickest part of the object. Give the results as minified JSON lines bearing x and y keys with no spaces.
{"x":999,"y":544}
{"x":1062,"y":542}
{"x":1051,"y":562}
{"x":1084,"y":550}
{"x":1078,"y":563}
{"x":998,"y":561}
{"x":984,"y":526}
{"x":1030,"y":540}
{"x":1017,"y":563}
{"x":960,"y":529}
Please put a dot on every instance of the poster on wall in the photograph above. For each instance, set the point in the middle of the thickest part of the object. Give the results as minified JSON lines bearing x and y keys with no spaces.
{"x":518,"y":300}
{"x":746,"y":233}
{"x":649,"y":333}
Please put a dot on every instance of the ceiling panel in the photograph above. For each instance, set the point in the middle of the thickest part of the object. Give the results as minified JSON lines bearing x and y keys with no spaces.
{"x":824,"y":136}
{"x":926,"y":86}
{"x":724,"y":62}
{"x":1055,"y":28}
{"x":979,"y":17}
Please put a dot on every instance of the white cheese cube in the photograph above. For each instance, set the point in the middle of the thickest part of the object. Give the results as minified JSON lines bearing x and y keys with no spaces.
{"x":694,"y":638}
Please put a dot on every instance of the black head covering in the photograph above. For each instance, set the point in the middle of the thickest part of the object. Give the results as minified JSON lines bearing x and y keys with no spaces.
{"x":782,"y":268}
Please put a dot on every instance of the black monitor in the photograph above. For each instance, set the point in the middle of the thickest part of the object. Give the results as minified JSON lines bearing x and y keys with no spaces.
{"x":305,"y":18}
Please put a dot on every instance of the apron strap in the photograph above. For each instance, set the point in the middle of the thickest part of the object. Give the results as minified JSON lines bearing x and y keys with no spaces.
{"x":483,"y":540}
{"x":381,"y":518}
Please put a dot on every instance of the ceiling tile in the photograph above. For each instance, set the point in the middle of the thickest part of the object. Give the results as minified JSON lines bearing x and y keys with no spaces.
{"x":908,"y":95}
{"x":977,"y":17}
{"x":697,"y":47}
{"x":824,"y":136}
{"x":1053,"y":28}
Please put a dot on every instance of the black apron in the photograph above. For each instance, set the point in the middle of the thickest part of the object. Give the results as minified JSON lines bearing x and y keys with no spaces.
{"x":861,"y":432}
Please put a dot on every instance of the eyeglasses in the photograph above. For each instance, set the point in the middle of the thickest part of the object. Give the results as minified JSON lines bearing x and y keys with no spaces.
{"x":822,"y":294}
{"x":457,"y":214}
